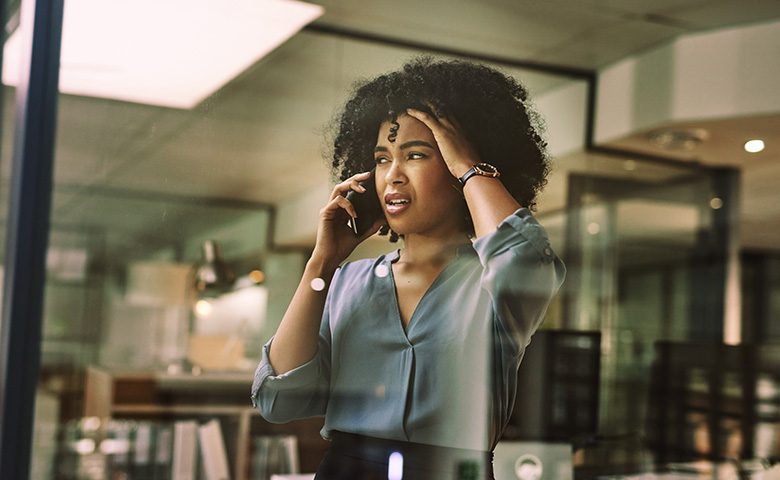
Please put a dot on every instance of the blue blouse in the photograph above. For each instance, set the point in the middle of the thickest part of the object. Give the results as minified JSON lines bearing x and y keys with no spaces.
{"x":450,"y":379}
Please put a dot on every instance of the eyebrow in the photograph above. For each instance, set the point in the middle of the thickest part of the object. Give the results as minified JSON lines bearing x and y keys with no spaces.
{"x":411,"y":143}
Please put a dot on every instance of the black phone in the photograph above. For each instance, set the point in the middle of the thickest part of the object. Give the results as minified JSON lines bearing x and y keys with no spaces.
{"x":366,"y":205}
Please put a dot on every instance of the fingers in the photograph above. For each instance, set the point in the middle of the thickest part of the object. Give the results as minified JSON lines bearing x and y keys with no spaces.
{"x":352,"y":183}
{"x":429,"y":120}
{"x":439,"y":125}
{"x":338,"y":202}
{"x":450,"y":123}
{"x":440,"y":117}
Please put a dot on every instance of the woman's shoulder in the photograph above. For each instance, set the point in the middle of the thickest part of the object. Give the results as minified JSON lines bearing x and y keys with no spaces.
{"x":359,"y":276}
{"x":366,"y":268}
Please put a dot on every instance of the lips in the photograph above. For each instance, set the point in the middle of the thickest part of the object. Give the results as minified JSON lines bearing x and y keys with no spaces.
{"x":397,"y":202}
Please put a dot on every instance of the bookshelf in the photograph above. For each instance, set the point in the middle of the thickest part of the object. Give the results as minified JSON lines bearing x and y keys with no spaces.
{"x":713,"y":401}
{"x":133,"y":394}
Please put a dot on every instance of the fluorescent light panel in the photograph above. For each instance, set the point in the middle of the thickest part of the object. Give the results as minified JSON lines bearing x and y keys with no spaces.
{"x":171,"y":53}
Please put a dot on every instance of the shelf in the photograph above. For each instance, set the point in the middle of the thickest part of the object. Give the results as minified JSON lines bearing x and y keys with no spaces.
{"x":197,"y":410}
{"x":135,"y":394}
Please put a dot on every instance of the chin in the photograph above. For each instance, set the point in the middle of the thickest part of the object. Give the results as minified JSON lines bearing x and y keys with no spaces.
{"x":398,"y":229}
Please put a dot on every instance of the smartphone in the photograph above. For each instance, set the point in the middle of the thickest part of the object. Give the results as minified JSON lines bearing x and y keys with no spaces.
{"x":366,"y":205}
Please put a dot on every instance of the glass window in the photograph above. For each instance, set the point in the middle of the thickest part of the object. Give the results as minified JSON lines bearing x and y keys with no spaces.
{"x":188,"y":192}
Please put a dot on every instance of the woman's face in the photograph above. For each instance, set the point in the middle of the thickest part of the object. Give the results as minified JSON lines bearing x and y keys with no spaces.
{"x":411,"y":169}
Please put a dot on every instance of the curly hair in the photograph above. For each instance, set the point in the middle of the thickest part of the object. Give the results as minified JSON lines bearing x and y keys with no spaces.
{"x":491,"y":108}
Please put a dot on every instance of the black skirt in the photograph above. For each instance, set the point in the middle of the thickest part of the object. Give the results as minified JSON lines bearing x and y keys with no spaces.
{"x":358,"y":457}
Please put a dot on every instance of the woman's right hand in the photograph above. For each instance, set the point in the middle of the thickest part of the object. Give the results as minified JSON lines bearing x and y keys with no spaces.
{"x":335,"y":239}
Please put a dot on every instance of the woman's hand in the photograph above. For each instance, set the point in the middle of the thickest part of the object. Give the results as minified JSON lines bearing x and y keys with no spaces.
{"x":455,"y":150}
{"x":335,"y":239}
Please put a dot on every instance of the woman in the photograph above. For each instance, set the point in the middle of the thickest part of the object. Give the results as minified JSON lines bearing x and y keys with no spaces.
{"x":416,"y":352}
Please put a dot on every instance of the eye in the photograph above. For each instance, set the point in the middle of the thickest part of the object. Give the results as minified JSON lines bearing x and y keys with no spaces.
{"x":416,"y":155}
{"x":380,"y":160}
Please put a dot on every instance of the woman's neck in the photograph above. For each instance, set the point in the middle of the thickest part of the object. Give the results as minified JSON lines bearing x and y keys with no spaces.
{"x":421,"y":250}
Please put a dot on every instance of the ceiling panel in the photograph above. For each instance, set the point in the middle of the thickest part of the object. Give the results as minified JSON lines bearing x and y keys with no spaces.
{"x":261,"y":137}
{"x":608,"y":43}
{"x":713,"y":14}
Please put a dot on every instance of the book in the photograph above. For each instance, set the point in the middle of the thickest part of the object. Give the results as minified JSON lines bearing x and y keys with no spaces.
{"x":117,"y":447}
{"x":163,"y":453}
{"x":185,"y":450}
{"x":212,"y":450}
{"x":143,"y":462}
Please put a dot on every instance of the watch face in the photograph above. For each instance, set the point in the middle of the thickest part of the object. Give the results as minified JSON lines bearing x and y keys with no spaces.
{"x":487,"y":169}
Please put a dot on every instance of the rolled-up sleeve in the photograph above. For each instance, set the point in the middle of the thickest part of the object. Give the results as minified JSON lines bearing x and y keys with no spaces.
{"x":522,"y":274}
{"x":303,"y":391}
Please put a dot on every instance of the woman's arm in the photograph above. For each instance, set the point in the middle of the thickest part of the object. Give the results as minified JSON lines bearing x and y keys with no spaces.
{"x":295,"y":341}
{"x":489,"y":203}
{"x":299,"y":388}
{"x":488,"y":200}
{"x":521,"y":271}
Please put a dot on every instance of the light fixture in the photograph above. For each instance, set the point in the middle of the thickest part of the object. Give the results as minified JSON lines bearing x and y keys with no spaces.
{"x":251,"y":279}
{"x":173,"y":54}
{"x":754,"y":146}
{"x":212,"y":275}
{"x":716,"y":203}
{"x":257,"y":276}
{"x":203,"y":308}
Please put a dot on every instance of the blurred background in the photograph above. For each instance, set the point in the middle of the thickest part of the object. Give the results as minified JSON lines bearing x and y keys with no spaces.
{"x":190,"y":165}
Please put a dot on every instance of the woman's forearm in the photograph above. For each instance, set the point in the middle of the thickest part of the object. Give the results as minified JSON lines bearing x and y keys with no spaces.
{"x":295,"y":342}
{"x":489,"y":203}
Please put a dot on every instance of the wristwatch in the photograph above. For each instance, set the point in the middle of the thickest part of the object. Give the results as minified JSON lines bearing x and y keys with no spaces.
{"x":484,"y":169}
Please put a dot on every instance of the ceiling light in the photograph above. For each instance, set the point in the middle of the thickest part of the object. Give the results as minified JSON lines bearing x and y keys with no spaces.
{"x":679,"y":138}
{"x":716,"y":203}
{"x":754,"y":146}
{"x":174,"y":53}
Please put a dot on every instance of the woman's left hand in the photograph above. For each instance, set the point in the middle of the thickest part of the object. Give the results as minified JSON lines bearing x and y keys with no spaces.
{"x":455,"y":150}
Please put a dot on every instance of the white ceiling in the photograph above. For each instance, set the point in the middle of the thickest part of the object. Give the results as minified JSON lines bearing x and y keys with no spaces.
{"x":261,"y":139}
{"x":581,"y":33}
{"x":759,"y":196}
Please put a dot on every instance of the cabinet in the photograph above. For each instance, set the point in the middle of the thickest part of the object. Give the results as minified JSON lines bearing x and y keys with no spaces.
{"x":133,"y":394}
{"x":558,"y":387}
{"x":713,"y":401}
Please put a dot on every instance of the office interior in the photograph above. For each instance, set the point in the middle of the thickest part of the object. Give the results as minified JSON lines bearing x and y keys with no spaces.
{"x":661,"y":354}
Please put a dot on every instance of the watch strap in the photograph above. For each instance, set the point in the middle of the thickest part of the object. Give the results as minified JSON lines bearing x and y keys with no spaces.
{"x":476,"y":170}
{"x":470,"y":173}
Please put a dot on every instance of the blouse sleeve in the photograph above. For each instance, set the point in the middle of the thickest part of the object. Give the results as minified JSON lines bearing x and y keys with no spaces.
{"x":303,"y":391}
{"x":521,"y":273}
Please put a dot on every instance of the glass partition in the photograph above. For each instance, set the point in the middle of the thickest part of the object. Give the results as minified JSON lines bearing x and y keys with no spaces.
{"x":179,"y":235}
{"x":145,"y":358}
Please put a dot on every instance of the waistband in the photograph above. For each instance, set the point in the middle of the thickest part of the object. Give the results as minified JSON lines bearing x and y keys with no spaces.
{"x":415,"y":455}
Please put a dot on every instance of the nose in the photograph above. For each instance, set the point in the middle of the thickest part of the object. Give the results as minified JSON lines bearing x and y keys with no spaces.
{"x":395,"y":175}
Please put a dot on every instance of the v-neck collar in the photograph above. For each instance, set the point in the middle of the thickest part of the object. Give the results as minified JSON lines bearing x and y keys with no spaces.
{"x":392,"y":257}
{"x":464,"y":249}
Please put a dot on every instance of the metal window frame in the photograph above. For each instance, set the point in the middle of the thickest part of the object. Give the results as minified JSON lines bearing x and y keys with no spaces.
{"x":28,"y":231}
